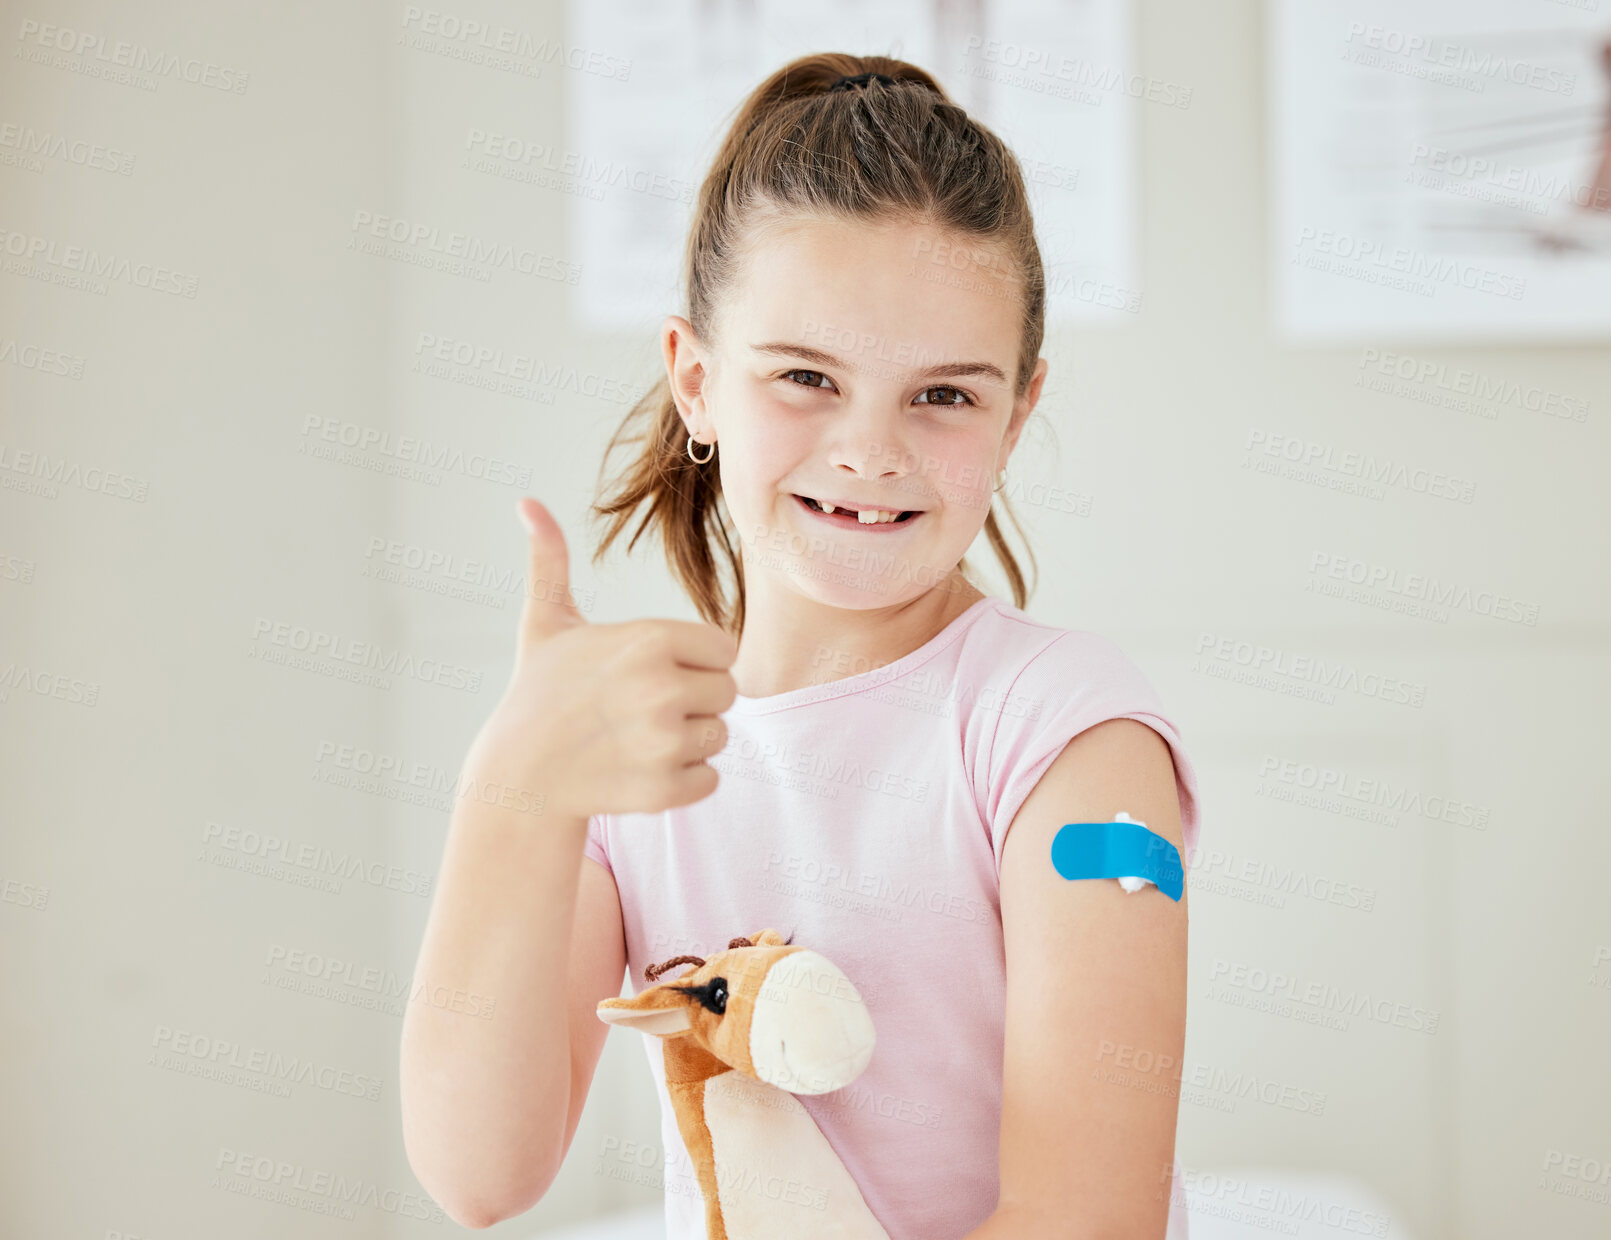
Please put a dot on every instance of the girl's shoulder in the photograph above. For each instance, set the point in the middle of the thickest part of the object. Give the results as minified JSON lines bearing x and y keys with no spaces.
{"x":1040,"y":657}
{"x":1048,"y":684}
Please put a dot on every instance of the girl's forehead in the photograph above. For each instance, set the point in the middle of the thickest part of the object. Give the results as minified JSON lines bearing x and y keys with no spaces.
{"x":891,"y":289}
{"x":833,"y":247}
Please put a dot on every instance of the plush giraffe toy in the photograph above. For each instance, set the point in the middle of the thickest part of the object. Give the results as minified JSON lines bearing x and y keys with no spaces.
{"x":744,"y":1032}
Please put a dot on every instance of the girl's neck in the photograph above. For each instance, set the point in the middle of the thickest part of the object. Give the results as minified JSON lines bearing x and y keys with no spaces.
{"x":790,"y":642}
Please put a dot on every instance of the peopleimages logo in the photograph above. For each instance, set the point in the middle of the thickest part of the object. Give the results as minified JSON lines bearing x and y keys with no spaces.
{"x":316,"y":643}
{"x":277,"y":1180}
{"x":901,"y":893}
{"x":1459,"y":382}
{"x":315,"y":858}
{"x":1526,"y":182}
{"x":45,"y":473}
{"x":200,"y":1055}
{"x":1034,"y":63}
{"x":356,"y":438}
{"x":477,"y":253}
{"x":1364,"y":790}
{"x":1316,"y":460}
{"x":1208,"y":1192}
{"x":1432,"y":52}
{"x":372,"y":987}
{"x":490,"y":366}
{"x":1338,"y":675}
{"x":86,"y":267}
{"x":32,"y":145}
{"x":1435,"y":594}
{"x":94,"y":51}
{"x":1323,"y":996}
{"x":27,"y":356}
{"x":524,"y":159}
{"x":477,"y":37}
{"x":1362,"y":257}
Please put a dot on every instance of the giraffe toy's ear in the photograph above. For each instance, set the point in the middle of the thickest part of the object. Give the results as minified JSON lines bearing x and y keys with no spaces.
{"x":655,"y":1010}
{"x":767,"y":938}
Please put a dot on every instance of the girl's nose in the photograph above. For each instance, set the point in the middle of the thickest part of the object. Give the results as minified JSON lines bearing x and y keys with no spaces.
{"x":869,"y":442}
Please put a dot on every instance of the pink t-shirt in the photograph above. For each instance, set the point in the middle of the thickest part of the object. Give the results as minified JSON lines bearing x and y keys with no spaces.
{"x":865,"y":817}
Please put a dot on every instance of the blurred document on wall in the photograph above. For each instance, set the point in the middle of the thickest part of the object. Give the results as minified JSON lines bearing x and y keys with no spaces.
{"x":1441,"y":169}
{"x":1052,"y":77}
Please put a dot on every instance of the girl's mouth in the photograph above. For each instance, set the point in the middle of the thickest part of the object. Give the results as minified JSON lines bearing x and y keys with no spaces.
{"x":849,"y":517}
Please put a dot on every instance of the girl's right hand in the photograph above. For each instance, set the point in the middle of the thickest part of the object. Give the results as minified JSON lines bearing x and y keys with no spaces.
{"x":604,"y":718}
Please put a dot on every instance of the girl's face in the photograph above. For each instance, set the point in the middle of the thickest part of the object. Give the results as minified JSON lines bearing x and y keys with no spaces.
{"x":863,"y":365}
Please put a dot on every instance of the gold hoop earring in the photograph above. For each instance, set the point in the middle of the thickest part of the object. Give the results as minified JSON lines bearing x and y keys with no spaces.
{"x":700,"y":460}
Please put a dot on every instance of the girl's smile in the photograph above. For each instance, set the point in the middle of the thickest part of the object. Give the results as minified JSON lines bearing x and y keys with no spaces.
{"x":849,"y":514}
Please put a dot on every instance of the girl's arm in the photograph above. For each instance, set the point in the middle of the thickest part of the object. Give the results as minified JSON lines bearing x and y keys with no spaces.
{"x":490,"y":1103}
{"x":1096,"y":1006}
{"x":615,"y":718}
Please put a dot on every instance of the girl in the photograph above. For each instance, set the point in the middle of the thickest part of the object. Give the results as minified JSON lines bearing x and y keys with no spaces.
{"x":857,"y":746}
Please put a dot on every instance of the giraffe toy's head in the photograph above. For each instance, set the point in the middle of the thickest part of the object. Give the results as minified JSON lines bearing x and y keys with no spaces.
{"x":779,"y":1013}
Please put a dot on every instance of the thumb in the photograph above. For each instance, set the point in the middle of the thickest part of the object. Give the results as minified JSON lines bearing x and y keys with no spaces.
{"x":548,"y":608}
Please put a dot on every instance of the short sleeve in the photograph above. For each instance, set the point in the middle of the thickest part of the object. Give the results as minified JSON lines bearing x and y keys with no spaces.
{"x":594,"y":847}
{"x":1075,"y":682}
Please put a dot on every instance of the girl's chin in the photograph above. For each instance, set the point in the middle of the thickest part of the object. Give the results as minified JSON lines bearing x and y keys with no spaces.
{"x":855,"y":571}
{"x":851,"y":595}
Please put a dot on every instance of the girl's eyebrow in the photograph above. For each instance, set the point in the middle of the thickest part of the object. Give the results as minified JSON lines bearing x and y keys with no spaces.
{"x":945,"y":370}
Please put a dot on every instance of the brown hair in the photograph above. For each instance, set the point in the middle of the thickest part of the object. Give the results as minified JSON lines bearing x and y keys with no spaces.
{"x":875,"y":151}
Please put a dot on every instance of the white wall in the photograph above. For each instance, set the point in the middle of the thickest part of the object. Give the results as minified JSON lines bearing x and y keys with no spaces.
{"x":151,"y":592}
{"x":206,"y":399}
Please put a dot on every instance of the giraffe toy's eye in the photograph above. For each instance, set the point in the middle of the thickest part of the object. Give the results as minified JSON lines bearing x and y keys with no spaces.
{"x":712,"y":996}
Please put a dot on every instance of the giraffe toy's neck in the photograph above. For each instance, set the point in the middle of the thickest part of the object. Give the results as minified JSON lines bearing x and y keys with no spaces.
{"x":687,"y":1062}
{"x":688,"y":1067}
{"x":745,"y":1139}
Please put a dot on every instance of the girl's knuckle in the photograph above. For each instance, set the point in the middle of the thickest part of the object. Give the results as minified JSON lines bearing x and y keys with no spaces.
{"x":657,"y":695}
{"x":652,"y":641}
{"x":662,"y":790}
{"x":661,"y":747}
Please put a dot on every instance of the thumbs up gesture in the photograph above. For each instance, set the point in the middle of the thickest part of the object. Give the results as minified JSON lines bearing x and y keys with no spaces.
{"x":604,"y":718}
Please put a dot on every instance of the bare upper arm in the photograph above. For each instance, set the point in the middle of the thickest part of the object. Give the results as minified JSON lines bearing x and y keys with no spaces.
{"x":1096,"y":985}
{"x":597,"y":965}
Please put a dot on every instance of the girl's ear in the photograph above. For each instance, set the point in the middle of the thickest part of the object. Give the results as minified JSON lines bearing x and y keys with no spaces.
{"x":686,"y":371}
{"x":1023,"y":407}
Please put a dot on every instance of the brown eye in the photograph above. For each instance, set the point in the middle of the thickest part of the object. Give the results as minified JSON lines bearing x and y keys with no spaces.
{"x":956,"y":391}
{"x":789,"y":375}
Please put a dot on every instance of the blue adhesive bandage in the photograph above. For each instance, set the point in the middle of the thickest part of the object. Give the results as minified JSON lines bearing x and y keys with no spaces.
{"x":1121,"y":849}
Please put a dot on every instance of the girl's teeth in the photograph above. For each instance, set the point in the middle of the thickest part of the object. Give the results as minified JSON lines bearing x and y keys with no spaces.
{"x":870,"y":517}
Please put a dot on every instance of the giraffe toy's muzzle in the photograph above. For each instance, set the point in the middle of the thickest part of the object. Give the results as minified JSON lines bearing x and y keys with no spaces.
{"x":810,"y":1032}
